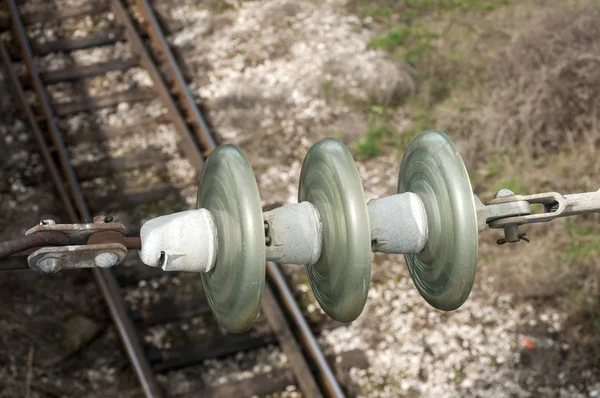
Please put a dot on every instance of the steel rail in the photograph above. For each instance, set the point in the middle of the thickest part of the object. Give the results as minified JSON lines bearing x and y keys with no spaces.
{"x":104,"y":278}
{"x":328,"y":382}
{"x":138,"y":47}
{"x":290,"y":346}
{"x":19,"y":93}
{"x":180,"y":87}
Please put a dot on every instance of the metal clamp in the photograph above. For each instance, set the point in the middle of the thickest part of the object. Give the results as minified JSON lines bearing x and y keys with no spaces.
{"x":78,"y":234}
{"x":98,"y":244}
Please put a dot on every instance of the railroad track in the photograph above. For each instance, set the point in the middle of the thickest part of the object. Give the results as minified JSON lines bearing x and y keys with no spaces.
{"x":79,"y":185}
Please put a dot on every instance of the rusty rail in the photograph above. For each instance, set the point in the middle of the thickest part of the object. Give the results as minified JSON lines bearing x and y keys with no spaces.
{"x":145,"y":59}
{"x":180,"y":88}
{"x":104,"y":278}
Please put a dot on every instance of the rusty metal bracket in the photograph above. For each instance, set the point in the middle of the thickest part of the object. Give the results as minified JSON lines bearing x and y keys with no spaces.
{"x":54,"y":259}
{"x":78,"y":234}
{"x":68,"y":246}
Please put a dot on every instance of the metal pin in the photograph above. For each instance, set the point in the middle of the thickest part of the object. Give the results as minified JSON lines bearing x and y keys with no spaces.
{"x":268,"y":239}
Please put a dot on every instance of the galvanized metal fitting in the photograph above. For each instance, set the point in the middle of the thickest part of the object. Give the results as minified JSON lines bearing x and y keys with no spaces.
{"x":488,"y":213}
{"x":106,"y":260}
{"x":294,"y":234}
{"x":49,"y":265}
{"x":398,"y":224}
{"x":184,"y":241}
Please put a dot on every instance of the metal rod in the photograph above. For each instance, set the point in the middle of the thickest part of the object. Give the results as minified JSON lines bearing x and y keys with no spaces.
{"x":581,"y":203}
{"x":133,"y":243}
{"x":328,"y":381}
{"x":43,"y":238}
{"x":105,"y":279}
{"x":13,"y":263}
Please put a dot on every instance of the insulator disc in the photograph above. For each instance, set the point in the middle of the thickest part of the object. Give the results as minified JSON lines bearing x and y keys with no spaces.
{"x":340,"y":279}
{"x":235,"y":284}
{"x":445,"y":270}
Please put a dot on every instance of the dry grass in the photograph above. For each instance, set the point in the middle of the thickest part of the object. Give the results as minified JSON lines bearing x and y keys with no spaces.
{"x":535,"y":124}
{"x":544,"y":93}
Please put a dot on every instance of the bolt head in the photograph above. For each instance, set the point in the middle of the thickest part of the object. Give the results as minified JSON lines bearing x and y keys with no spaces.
{"x":49,"y":265}
{"x":504,"y":193}
{"x":106,"y":260}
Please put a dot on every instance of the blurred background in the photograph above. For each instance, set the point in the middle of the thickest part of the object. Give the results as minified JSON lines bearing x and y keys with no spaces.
{"x":515,"y":84}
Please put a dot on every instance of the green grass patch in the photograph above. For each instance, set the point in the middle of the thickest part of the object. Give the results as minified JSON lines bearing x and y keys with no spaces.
{"x":378,"y":132}
{"x":409,"y":43}
{"x":494,"y":172}
{"x":578,"y":251}
{"x":576,"y":229}
{"x":370,"y":145}
{"x":409,"y":32}
{"x":410,"y":9}
{"x":375,"y":11}
{"x":327,"y":88}
{"x":423,"y":119}
{"x":394,"y":38}
{"x":585,"y":241}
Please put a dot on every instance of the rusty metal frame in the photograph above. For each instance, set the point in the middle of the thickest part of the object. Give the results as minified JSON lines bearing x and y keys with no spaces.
{"x":180,"y":87}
